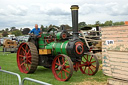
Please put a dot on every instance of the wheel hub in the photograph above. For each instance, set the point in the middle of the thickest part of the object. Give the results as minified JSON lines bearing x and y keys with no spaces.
{"x":24,"y":57}
{"x":60,"y":68}
{"x":88,"y":64}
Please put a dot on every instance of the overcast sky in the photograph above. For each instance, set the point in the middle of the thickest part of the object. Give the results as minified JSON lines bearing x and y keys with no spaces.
{"x":27,"y":13}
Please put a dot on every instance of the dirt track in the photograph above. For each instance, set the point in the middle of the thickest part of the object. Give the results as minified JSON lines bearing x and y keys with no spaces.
{"x":90,"y":83}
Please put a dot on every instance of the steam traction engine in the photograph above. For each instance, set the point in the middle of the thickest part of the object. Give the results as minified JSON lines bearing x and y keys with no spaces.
{"x":58,"y":50}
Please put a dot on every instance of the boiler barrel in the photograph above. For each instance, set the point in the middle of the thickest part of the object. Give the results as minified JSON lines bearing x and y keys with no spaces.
{"x":57,"y":47}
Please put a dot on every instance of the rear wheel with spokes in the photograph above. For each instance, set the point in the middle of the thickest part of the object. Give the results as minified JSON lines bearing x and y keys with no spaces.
{"x":62,"y":67}
{"x":27,"y":57}
{"x":89,"y":65}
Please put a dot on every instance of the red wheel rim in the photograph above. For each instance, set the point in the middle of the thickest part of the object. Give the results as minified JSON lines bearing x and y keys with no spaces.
{"x":24,"y":58}
{"x":89,"y":65}
{"x":62,"y":68}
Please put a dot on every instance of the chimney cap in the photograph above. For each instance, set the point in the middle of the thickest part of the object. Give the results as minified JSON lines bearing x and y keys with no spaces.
{"x":74,"y":7}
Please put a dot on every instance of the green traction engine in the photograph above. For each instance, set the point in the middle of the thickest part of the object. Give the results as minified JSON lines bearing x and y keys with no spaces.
{"x":58,"y":50}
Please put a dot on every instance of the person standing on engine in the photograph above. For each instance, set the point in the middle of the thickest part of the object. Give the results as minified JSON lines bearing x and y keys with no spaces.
{"x":36,"y":31}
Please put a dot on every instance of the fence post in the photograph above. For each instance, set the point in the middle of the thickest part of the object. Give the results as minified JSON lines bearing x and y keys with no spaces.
{"x":18,"y":76}
{"x":28,"y":79}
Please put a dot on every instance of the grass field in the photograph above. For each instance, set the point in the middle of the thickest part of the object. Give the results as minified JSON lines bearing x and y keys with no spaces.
{"x":8,"y":62}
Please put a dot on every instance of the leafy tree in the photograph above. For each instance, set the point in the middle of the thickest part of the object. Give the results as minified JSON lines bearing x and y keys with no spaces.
{"x":13,"y":28}
{"x":2,"y":30}
{"x":122,"y":23}
{"x":17,"y":32}
{"x":108,"y":23}
{"x":46,"y":27}
{"x":21,"y":29}
{"x":118,"y":23}
{"x":65,"y":26}
{"x":43,"y":28}
{"x":97,"y":23}
{"x":6,"y":29}
{"x":25,"y":31}
{"x":4,"y":34}
{"x":50,"y":26}
{"x":81,"y":25}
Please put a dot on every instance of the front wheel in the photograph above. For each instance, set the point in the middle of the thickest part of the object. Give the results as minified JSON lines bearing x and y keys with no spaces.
{"x":62,"y":67}
{"x":89,"y":64}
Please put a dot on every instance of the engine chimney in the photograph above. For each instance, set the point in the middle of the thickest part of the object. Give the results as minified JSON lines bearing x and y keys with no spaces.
{"x":74,"y":10}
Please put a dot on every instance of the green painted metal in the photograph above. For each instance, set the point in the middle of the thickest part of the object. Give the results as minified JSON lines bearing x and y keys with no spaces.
{"x":50,"y":45}
{"x":57,"y":47}
{"x":41,"y":41}
{"x":58,"y":35}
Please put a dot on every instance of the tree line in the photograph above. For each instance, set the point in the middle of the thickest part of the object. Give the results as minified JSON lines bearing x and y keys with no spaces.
{"x":17,"y":32}
{"x":25,"y":31}
{"x":106,"y":23}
